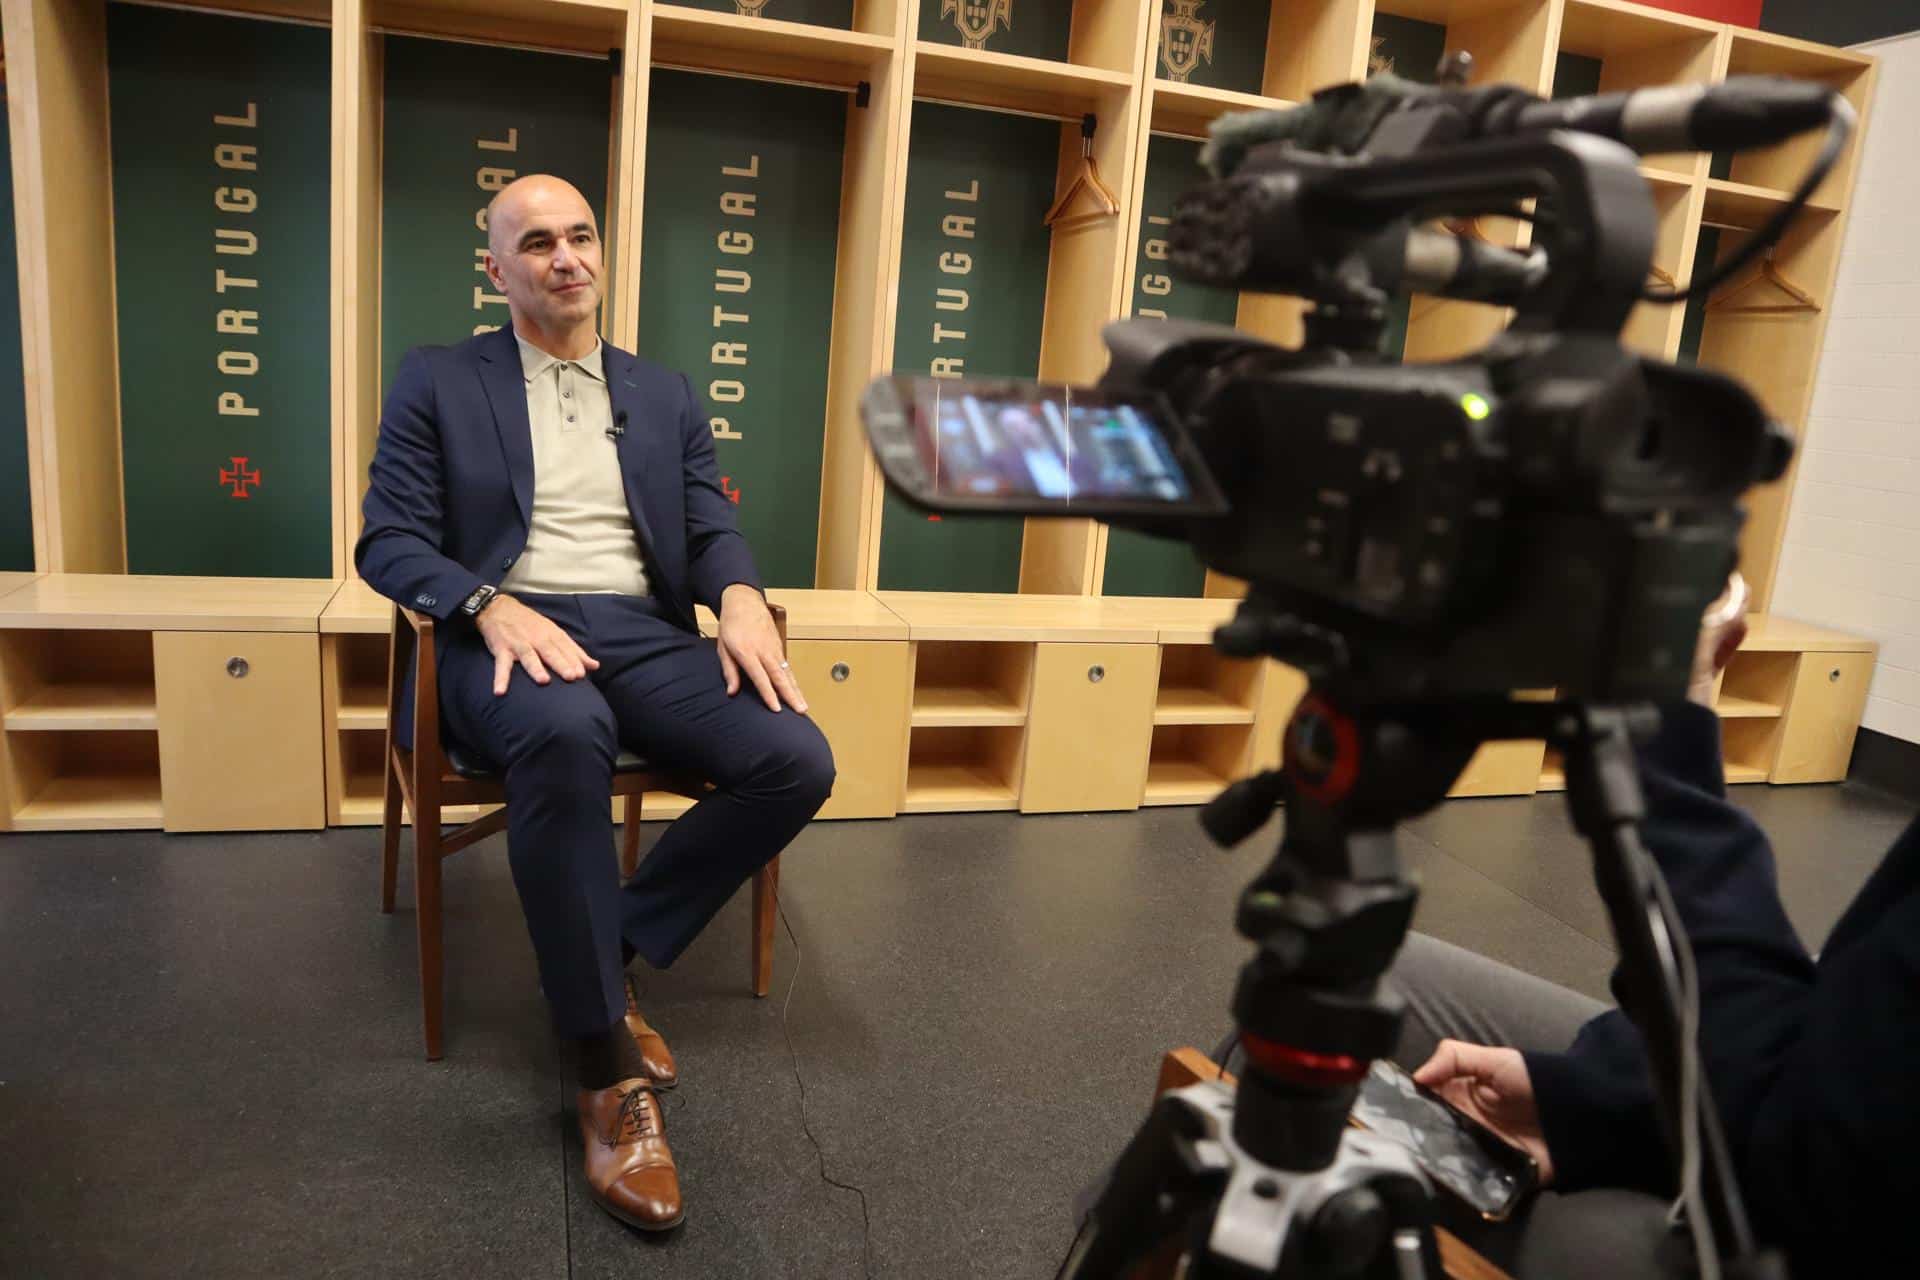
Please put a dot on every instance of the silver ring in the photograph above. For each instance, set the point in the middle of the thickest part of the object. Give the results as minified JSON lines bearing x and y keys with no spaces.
{"x":785,"y":665}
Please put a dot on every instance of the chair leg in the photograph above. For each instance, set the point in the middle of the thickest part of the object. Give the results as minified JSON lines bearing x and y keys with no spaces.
{"x":390,"y":815}
{"x":630,"y":839}
{"x":426,"y":892}
{"x":766,"y":905}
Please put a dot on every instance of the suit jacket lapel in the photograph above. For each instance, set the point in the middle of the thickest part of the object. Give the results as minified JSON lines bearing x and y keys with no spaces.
{"x":506,"y":387}
{"x":639,"y":444}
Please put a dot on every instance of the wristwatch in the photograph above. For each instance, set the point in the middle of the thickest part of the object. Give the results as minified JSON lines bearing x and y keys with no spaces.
{"x":482,"y":597}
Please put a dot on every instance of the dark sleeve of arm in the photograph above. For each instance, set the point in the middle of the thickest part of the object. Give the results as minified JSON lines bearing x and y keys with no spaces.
{"x":398,"y":553}
{"x":717,"y":555}
{"x":1596,"y":1100}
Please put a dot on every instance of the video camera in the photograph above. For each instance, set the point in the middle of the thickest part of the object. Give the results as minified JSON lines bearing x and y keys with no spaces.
{"x":1552,"y":511}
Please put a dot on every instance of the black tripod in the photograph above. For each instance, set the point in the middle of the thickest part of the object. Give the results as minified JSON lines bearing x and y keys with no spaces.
{"x":1272,"y":1181}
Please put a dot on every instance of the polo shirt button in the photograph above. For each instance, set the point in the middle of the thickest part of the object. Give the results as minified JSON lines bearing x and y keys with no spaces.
{"x":507,"y":563}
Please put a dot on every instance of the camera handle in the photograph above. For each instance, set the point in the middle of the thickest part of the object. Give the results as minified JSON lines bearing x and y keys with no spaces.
{"x":1272,"y":1181}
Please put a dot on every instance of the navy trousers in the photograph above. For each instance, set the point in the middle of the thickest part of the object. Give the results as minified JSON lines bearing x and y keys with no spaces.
{"x":659,"y":693}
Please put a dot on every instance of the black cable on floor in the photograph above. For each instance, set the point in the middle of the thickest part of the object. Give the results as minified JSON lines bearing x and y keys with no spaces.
{"x":866,"y":1218}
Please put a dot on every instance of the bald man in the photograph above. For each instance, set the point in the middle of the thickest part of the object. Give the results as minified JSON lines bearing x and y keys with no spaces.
{"x":553,"y":501}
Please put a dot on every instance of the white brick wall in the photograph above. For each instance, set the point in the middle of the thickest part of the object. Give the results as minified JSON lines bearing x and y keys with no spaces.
{"x":1852,"y":555}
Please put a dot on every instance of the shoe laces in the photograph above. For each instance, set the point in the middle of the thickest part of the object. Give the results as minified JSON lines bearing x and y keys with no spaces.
{"x":637,"y":1118}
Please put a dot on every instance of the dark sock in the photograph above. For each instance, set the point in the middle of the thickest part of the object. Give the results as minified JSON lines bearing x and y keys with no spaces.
{"x":627,"y":953}
{"x":602,"y":1061}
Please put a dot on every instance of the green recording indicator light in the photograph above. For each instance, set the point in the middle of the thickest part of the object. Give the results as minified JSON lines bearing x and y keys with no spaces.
{"x":1476,"y":406}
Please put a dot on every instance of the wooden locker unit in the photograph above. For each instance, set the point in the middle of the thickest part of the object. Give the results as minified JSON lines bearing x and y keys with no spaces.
{"x":111,"y":717}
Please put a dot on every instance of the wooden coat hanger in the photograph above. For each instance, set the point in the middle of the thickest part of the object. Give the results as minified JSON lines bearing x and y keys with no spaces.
{"x":1768,"y":274}
{"x":1088,"y":179}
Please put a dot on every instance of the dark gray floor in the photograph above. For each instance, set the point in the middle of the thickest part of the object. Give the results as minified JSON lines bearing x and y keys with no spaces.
{"x":209,"y":1046}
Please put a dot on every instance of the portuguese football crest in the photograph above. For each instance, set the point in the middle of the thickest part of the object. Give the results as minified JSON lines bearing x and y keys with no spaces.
{"x":976,"y":20}
{"x":1184,"y":39}
{"x":750,"y":8}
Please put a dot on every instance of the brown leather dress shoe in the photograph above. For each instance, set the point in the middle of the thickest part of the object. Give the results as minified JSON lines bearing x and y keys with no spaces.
{"x":654,"y":1054}
{"x":630,"y":1172}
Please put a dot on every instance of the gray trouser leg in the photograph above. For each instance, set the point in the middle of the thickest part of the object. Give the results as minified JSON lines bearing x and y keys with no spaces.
{"x":1455,"y":994}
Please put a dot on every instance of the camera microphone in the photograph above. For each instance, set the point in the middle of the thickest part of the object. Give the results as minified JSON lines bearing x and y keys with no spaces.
{"x":619,"y":427}
{"x":1743,"y":111}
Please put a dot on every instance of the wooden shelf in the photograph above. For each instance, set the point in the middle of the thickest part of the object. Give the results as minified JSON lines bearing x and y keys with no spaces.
{"x":590,"y":26}
{"x":1744,"y":205}
{"x":1187,"y":109}
{"x":1658,"y":176}
{"x":87,"y":706}
{"x":363,"y":709}
{"x":950,"y":787}
{"x":1745,"y":773}
{"x":981,"y":78}
{"x":1768,"y":634}
{"x":93,"y":802}
{"x":1181,"y":782}
{"x":949,"y":707}
{"x":1729,"y":707}
{"x":115,"y":602}
{"x":1607,"y":28}
{"x":704,"y":40}
{"x":1181,"y":705}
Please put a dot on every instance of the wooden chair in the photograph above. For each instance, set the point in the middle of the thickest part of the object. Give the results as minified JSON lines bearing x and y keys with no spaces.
{"x":437,"y":774}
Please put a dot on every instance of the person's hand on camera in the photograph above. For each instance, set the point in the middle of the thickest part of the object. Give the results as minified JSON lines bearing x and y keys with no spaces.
{"x":1490,"y":1085}
{"x":1722,"y":629}
{"x":516,"y":634}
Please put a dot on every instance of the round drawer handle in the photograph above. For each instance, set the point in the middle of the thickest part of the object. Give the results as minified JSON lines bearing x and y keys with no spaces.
{"x":841,"y":671}
{"x":1096,"y":673}
{"x":238,"y":668}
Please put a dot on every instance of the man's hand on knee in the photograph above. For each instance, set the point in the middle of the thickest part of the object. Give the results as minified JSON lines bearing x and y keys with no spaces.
{"x":750,"y":646}
{"x":1492,"y":1086}
{"x":516,"y":634}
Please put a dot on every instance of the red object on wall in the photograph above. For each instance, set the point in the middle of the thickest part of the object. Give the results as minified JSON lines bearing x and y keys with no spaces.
{"x":1741,"y":13}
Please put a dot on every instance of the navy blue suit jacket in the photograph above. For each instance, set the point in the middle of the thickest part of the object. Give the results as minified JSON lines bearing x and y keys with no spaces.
{"x":450,"y":491}
{"x":1814,"y":1066}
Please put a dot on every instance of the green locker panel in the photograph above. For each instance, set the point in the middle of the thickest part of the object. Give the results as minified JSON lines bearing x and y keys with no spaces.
{"x":220,"y":206}
{"x":1575,"y":76}
{"x":1042,"y":30}
{"x":1218,"y":43}
{"x":1138,"y":565}
{"x":973,"y":294}
{"x":821,"y":13}
{"x":16,"y":495}
{"x":742,"y":213}
{"x":461,"y":121}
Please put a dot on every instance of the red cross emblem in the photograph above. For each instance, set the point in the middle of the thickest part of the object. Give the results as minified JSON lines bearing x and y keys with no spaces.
{"x":726,"y":487}
{"x":239,"y":475}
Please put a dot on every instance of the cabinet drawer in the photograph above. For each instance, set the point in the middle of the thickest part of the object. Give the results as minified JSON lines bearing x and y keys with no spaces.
{"x":864,"y":716}
{"x":1089,"y":727}
{"x":240,"y":730}
{"x":1822,"y":715}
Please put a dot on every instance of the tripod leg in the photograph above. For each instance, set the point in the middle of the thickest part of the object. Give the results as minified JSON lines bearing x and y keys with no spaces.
{"x":1160,"y":1182}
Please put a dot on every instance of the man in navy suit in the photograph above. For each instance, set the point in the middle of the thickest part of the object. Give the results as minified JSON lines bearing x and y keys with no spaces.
{"x":554,"y":502}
